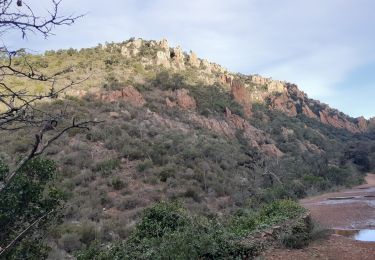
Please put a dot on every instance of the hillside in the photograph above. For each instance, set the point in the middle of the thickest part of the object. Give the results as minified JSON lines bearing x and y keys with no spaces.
{"x":177,"y":127}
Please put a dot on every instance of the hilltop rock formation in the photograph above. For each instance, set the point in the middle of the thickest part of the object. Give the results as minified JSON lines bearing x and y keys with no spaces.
{"x":246,"y":90}
{"x":193,"y":60}
{"x":294,"y":102}
{"x":178,"y":58}
{"x":162,"y":58}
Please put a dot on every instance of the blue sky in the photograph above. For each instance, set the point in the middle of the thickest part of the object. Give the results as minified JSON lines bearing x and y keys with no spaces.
{"x":326,"y":47}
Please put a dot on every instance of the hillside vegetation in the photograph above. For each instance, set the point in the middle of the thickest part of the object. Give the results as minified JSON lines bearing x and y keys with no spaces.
{"x":190,"y":160}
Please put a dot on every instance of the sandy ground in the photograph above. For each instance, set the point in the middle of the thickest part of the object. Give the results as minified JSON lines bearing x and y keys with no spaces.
{"x":355,"y":209}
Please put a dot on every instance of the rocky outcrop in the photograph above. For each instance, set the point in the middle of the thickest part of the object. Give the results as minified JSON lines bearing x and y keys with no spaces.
{"x":164,"y":45}
{"x":162,"y":58}
{"x":193,"y":60}
{"x":182,"y":99}
{"x":294,"y":102}
{"x":246,"y":90}
{"x":234,"y":123}
{"x":178,"y":58}
{"x":362,"y":124}
{"x":128,"y":94}
{"x":331,"y":117}
{"x":242,"y":96}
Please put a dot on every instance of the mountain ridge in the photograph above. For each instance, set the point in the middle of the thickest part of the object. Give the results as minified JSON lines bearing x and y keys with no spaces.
{"x":246,"y":89}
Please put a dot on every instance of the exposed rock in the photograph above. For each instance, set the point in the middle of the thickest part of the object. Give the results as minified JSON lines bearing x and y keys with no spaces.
{"x":193,"y":60}
{"x":256,"y":79}
{"x":134,"y":52}
{"x":206,"y":66}
{"x":125,"y":52}
{"x":283,"y":104}
{"x":166,"y":122}
{"x":178,"y":58}
{"x":271,"y":150}
{"x":233,"y":123}
{"x":275,"y":86}
{"x":329,"y":118}
{"x":362,"y":124}
{"x":312,"y":147}
{"x":170,"y":103}
{"x":225,"y":79}
{"x":162,"y":59}
{"x":181,"y":98}
{"x":308,"y":112}
{"x":114,"y":114}
{"x":242,"y":96}
{"x":217,"y":68}
{"x":137,"y":43}
{"x":129,"y":94}
{"x":280,"y":95}
{"x":163,"y":44}
{"x":76,"y":93}
{"x":184,"y":100}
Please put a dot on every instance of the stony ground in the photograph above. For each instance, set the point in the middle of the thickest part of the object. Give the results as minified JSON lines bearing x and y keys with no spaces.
{"x":355,"y":210}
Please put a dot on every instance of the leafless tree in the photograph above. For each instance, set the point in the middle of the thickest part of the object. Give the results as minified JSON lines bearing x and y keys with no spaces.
{"x":20,"y":108}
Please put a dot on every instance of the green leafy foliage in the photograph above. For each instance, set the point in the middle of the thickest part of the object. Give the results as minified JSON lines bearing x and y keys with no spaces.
{"x":167,"y":231}
{"x":28,"y":197}
{"x":271,"y":214}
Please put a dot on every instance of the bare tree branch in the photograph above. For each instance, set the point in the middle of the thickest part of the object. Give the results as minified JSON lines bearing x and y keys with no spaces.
{"x":39,"y":146}
{"x":20,"y":16}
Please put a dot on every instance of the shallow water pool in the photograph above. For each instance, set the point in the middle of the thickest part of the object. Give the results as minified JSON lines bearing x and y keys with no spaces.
{"x":365,"y":235}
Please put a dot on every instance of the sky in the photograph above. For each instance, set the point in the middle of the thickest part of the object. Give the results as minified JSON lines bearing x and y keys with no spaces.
{"x":326,"y":47}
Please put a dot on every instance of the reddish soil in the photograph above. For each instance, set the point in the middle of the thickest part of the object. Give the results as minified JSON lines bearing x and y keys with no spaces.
{"x":348,"y":209}
{"x":334,"y":248}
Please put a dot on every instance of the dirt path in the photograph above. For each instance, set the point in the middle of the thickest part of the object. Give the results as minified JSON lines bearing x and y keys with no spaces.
{"x":348,"y":209}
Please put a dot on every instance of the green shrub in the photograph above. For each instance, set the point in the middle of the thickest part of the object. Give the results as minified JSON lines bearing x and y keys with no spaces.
{"x":144,"y":165}
{"x":299,"y":235}
{"x":161,"y":219}
{"x":117,"y":183}
{"x":271,"y":214}
{"x":107,"y":166}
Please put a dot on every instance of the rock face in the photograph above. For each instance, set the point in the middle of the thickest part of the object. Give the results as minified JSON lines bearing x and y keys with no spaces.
{"x":164,"y":45}
{"x":246,"y":90}
{"x":178,"y":58}
{"x":294,"y":102}
{"x":129,"y":94}
{"x":229,"y":127}
{"x":242,"y":96}
{"x":193,"y":60}
{"x":162,"y":59}
{"x":182,"y":99}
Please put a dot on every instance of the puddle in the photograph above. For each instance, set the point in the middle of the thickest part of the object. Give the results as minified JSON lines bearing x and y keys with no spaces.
{"x":341,"y":198}
{"x":367,"y":235}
